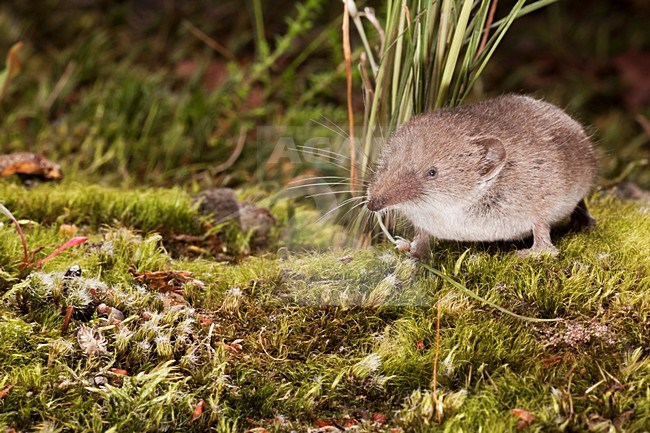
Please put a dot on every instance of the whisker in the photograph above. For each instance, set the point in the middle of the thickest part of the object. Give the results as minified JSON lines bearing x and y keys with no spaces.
{"x":341,"y":178}
{"x":337,"y":192}
{"x":340,"y":183}
{"x":354,"y":207}
{"x":330,"y":157}
{"x":318,"y":177}
{"x":317,"y":151}
{"x":338,"y":131}
{"x":345,"y":202}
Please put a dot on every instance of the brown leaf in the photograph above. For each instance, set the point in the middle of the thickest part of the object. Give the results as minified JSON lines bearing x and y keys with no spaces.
{"x":204,"y":319}
{"x":234,"y":347}
{"x":4,"y":391}
{"x":198,"y":411}
{"x":320,"y":423}
{"x":29,"y":164}
{"x":165,"y":281}
{"x":119,"y":371}
{"x":379,"y":418}
{"x":420,"y":345}
{"x":257,"y":430}
{"x":524,"y":418}
{"x":68,"y":230}
{"x":551,"y":360}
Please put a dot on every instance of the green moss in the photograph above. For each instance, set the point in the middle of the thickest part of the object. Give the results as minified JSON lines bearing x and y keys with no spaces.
{"x":330,"y":334}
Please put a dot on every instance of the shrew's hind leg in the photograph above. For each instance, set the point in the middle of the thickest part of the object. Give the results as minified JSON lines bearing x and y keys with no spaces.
{"x":581,"y":219}
{"x":541,"y":242}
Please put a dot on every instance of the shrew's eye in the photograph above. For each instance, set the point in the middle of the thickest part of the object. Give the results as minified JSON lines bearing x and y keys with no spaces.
{"x":432,"y":172}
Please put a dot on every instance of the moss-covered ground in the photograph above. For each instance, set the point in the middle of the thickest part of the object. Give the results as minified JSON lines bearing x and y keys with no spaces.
{"x":292,"y":340}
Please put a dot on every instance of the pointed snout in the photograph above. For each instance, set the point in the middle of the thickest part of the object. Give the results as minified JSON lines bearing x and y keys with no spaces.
{"x":376,"y":204}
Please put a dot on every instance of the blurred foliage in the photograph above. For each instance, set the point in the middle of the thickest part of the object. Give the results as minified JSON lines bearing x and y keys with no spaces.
{"x":129,"y":92}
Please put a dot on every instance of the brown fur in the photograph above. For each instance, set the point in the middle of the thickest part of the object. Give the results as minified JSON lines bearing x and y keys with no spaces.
{"x":505,"y":168}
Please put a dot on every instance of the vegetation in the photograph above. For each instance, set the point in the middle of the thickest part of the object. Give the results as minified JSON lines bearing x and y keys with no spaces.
{"x":178,"y":322}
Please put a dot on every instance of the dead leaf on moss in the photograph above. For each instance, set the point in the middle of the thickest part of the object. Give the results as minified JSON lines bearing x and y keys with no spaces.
{"x":524,"y":418}
{"x":166,"y":281}
{"x":320,"y":423}
{"x":198,"y":411}
{"x":235,"y":347}
{"x":4,"y":391}
{"x":29,"y":164}
{"x":67,"y":230}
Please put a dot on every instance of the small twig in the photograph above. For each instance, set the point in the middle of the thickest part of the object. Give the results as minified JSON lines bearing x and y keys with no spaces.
{"x":235,"y":154}
{"x":66,"y":321}
{"x":347,"y":53}
{"x":65,"y":77}
{"x":488,"y":24}
{"x":209,"y":41}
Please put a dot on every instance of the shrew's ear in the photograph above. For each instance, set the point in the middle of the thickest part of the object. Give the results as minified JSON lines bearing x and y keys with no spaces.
{"x":493,"y":156}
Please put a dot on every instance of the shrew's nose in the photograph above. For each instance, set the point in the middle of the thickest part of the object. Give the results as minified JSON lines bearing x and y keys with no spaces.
{"x":376,"y":204}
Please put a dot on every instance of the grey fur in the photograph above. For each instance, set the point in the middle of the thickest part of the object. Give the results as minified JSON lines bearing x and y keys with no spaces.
{"x":505,"y":168}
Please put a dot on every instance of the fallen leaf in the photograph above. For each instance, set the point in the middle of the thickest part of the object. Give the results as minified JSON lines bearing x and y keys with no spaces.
{"x":198,"y":411}
{"x":166,"y":281}
{"x":119,"y":371}
{"x":204,"y":319}
{"x":420,"y":345}
{"x":29,"y":164}
{"x":551,"y":360}
{"x":234,"y":347}
{"x":524,"y":418}
{"x":67,"y":230}
{"x":379,"y":418}
{"x":320,"y":423}
{"x":4,"y":391}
